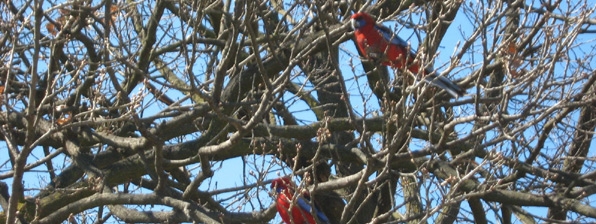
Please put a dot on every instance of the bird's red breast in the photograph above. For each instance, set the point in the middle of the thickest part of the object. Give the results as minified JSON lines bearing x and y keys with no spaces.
{"x":378,"y":42}
{"x":290,"y":212}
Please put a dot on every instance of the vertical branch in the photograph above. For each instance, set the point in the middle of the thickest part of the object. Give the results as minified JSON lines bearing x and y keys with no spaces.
{"x":412,"y":198}
{"x":448,"y":215}
{"x":149,"y":40}
{"x":442,"y":15}
{"x":580,"y":146}
{"x":477,"y":210}
{"x":229,"y":52}
{"x":21,"y":159}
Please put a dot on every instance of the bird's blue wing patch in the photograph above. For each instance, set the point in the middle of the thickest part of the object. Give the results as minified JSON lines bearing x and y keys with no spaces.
{"x":393,"y":38}
{"x":390,"y":36}
{"x":304,"y":205}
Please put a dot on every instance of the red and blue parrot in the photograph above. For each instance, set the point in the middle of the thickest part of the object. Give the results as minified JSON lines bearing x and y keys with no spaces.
{"x":300,"y":212}
{"x":380,"y":44}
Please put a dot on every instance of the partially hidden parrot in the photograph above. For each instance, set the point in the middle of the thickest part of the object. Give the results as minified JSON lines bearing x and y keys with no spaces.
{"x":294,"y":210}
{"x":380,"y":44}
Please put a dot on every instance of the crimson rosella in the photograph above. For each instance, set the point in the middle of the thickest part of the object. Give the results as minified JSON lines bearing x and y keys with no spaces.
{"x":300,"y":212}
{"x":379,"y":43}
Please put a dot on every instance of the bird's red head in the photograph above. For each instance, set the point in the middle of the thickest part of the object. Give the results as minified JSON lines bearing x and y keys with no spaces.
{"x":362,"y":19}
{"x":281,"y":183}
